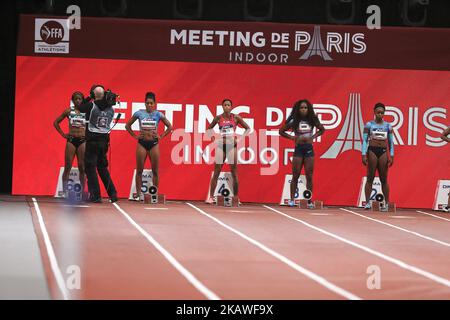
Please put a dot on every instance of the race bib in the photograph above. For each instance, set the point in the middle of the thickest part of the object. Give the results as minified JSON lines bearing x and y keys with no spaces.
{"x":77,"y":120}
{"x":227,"y":131}
{"x":148,"y":124}
{"x":379,"y":135}
{"x":304,"y":128}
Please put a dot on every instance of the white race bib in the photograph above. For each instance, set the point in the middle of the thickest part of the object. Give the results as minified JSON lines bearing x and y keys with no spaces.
{"x":304,"y":127}
{"x":77,"y":120}
{"x":148,"y":124}
{"x":379,"y":135}
{"x":227,"y":131}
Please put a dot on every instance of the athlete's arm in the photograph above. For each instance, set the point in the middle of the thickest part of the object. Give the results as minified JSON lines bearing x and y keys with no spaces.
{"x":209,"y":130}
{"x":128,"y":127}
{"x":243,"y":124}
{"x":365,"y":141}
{"x":320,"y":130}
{"x":445,"y":134}
{"x":391,"y":146}
{"x":365,"y":145}
{"x":284,"y":129}
{"x":59,"y":120}
{"x":169,"y":128}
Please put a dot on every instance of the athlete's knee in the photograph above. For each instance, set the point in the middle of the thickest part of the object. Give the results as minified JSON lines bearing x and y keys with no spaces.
{"x":66,"y":171}
{"x":139,"y":172}
{"x":370,"y":179}
{"x":102,"y":163}
{"x":383,"y":180}
{"x":155,"y":173}
{"x":216,"y":174}
{"x":89,"y":163}
{"x":81,"y":169}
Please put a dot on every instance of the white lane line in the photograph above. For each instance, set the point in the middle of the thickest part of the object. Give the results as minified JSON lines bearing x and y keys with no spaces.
{"x":313,"y":276}
{"x":395,"y":261}
{"x":433,"y":215}
{"x":401,"y":217}
{"x":400,"y":228}
{"x":51,"y":253}
{"x":174,"y":262}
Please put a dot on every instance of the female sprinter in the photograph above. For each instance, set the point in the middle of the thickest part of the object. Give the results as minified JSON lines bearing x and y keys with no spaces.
{"x":377,"y":139}
{"x":148,"y":140}
{"x":444,"y":137}
{"x":226,"y":145}
{"x":75,"y":139}
{"x":302,"y":121}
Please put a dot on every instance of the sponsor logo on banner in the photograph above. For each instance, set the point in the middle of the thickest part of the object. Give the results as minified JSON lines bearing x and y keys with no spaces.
{"x":286,"y":194}
{"x":259,"y":42}
{"x":441,"y":195}
{"x":335,"y":41}
{"x":376,"y":189}
{"x":147,"y":182}
{"x":225,"y":181}
{"x":350,"y":136}
{"x":73,"y":184}
{"x":51,"y":36}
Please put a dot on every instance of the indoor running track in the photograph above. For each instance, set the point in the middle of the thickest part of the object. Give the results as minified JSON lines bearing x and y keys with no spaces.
{"x":191,"y":250}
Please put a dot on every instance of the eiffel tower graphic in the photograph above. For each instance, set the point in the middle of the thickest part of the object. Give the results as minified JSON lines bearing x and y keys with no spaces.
{"x":316,"y":47}
{"x":351,"y":133}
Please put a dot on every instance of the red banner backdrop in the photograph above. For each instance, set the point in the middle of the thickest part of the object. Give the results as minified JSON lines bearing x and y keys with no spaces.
{"x":189,"y":94}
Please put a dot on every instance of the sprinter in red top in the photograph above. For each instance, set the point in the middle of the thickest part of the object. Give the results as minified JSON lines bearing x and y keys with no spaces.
{"x":226,"y":145}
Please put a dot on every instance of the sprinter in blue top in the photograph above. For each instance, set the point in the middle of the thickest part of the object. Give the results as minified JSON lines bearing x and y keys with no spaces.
{"x":148,"y":140}
{"x":377,"y":139}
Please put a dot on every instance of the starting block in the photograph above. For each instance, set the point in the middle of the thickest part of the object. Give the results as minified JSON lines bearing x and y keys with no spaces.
{"x":318,"y":204}
{"x":307,"y":195}
{"x":377,"y":206}
{"x":73,"y":196}
{"x":303,"y":204}
{"x":153,"y":197}
{"x":226,"y":200}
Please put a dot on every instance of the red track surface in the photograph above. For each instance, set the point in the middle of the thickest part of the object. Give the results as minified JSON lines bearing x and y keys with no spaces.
{"x":118,"y":262}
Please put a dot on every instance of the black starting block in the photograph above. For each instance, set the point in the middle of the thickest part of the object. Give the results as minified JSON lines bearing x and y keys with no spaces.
{"x":378,"y":204}
{"x":226,"y":200}
{"x":74,"y":196}
{"x":153,"y":197}
{"x":307,"y":195}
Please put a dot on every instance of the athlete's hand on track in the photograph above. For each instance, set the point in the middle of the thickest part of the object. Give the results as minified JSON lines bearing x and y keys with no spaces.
{"x":364,"y":160}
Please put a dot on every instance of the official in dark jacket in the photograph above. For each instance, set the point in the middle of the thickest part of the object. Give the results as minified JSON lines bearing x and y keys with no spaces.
{"x":99,"y":115}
